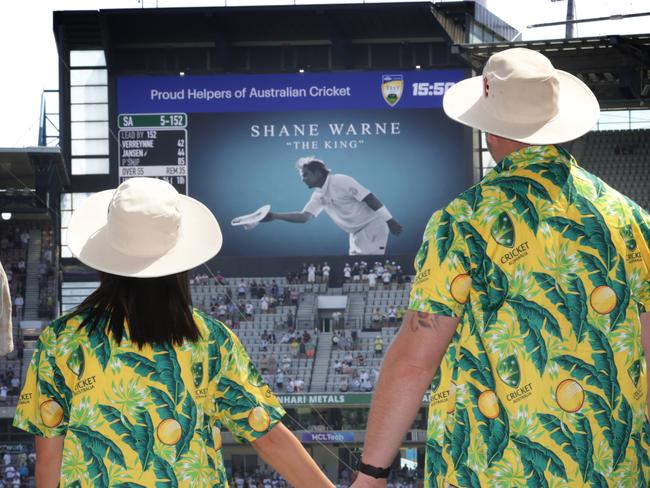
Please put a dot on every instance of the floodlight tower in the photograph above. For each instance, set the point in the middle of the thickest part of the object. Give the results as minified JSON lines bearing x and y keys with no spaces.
{"x":570,"y":17}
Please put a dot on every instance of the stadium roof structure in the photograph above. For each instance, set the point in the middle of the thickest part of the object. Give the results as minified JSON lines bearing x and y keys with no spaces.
{"x":31,"y":179}
{"x":616,"y":68}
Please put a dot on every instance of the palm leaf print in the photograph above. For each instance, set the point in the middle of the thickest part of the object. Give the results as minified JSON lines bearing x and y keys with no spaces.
{"x":141,"y":365}
{"x":467,"y":477}
{"x":537,"y":459}
{"x":134,"y":436}
{"x":478,"y":368}
{"x":439,"y":308}
{"x":49,"y":391}
{"x":472,"y":196}
{"x":100,"y":344}
{"x":597,"y":231}
{"x":568,"y":228}
{"x":603,"y":357}
{"x":616,"y":432}
{"x":95,"y":448}
{"x":421,"y":256}
{"x":622,"y":292}
{"x":572,"y":303}
{"x":598,"y":480}
{"x":129,"y":485}
{"x":169,"y":371}
{"x":578,"y":445}
{"x":459,"y":438}
{"x":187,"y":420}
{"x":597,"y":272}
{"x":644,"y":225}
{"x":517,"y":188}
{"x":495,"y":432}
{"x":559,"y":175}
{"x":444,"y":235}
{"x":643,"y":456}
{"x":436,"y":464}
{"x":532,"y":318}
{"x":236,"y":399}
{"x":164,"y":405}
{"x":143,"y":432}
{"x":488,"y":280}
{"x":164,"y":472}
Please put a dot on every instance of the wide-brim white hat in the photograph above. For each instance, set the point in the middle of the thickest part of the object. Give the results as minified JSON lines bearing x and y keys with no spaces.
{"x":521,"y":96}
{"x":143,"y":229}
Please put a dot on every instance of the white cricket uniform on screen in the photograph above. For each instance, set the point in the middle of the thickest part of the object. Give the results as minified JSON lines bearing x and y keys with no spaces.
{"x":341,"y":196}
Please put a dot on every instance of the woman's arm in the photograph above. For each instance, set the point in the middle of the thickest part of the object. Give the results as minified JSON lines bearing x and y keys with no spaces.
{"x":280,"y":448}
{"x":49,"y":454}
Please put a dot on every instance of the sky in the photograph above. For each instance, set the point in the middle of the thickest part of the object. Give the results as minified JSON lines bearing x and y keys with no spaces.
{"x":29,"y":57}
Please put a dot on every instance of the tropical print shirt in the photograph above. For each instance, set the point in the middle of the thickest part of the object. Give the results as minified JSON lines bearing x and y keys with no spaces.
{"x":544,"y":382}
{"x":143,"y":417}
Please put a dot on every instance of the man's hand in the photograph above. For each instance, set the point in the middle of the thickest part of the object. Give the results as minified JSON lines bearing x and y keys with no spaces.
{"x":269,"y":217}
{"x":394,"y":226}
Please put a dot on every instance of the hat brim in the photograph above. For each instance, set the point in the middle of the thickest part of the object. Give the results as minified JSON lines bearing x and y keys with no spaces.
{"x":88,"y":239}
{"x":578,"y":112}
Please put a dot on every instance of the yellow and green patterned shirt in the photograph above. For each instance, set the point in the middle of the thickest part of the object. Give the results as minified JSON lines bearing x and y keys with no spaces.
{"x":544,"y":382}
{"x":143,"y":417}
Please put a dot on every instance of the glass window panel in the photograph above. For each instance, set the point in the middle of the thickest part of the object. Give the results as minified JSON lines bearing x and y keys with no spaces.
{"x":65,"y":218}
{"x":87,"y":58}
{"x":66,"y":253}
{"x":81,"y":77}
{"x":90,"y":166}
{"x":89,"y":111}
{"x":88,"y":94}
{"x":89,"y":147}
{"x":88,"y":130}
{"x":66,"y":201}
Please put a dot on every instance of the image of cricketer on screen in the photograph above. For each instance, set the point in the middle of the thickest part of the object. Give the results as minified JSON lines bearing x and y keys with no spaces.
{"x":351,"y":206}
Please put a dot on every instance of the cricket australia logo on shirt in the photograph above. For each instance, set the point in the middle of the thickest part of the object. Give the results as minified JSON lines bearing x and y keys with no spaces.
{"x":633,"y":255}
{"x":503,"y":232}
{"x":392,"y":87}
{"x":76,"y":363}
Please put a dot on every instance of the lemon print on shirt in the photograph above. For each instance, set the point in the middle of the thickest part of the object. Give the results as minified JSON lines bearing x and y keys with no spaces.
{"x":51,"y":413}
{"x":488,"y":404}
{"x":169,"y":432}
{"x":460,"y":287}
{"x":602,"y":299}
{"x":569,"y":395}
{"x":258,"y":419}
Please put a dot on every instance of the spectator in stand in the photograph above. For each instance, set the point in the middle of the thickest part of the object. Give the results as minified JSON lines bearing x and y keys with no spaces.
{"x":376,"y":317}
{"x":275,"y":291}
{"x":310,"y":348}
{"x":326,"y":273}
{"x":294,"y":346}
{"x":253,"y":287}
{"x":338,"y":365}
{"x":220,"y":278}
{"x":386,"y":277}
{"x":360,"y":359}
{"x":365,"y":385}
{"x":399,"y":275}
{"x":347,"y":272}
{"x":19,"y":304}
{"x":24,"y":239}
{"x":285,"y":338}
{"x":302,"y":349}
{"x":356,"y":272}
{"x":285,"y":365}
{"x":336,"y":339}
{"x":294,"y":297}
{"x":343,"y":384}
{"x":3,"y":393}
{"x":241,"y":289}
{"x":311,"y":274}
{"x":264,"y":304}
{"x":400,"y":314}
{"x":15,"y":386}
{"x":392,"y":314}
{"x":372,"y":279}
{"x":299,"y":385}
{"x":379,"y":345}
{"x":279,"y":380}
{"x":249,"y":310}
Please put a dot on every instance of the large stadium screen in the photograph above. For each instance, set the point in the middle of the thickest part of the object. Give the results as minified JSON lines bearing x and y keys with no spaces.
{"x":232,"y":142}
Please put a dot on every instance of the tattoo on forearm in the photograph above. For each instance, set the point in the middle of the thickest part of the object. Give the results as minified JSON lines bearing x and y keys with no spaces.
{"x":424,"y":320}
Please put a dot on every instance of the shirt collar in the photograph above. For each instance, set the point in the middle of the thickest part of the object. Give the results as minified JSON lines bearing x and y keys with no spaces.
{"x":325,"y":186}
{"x":532,"y":155}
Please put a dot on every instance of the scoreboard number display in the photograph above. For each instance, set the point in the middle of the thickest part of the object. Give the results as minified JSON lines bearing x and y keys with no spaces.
{"x":153,"y":145}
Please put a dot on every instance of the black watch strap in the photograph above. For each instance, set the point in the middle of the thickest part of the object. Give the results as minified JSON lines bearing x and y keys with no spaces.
{"x":373,"y":471}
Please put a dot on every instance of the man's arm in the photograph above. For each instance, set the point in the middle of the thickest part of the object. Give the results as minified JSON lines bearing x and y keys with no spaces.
{"x":374,"y":203}
{"x":645,"y":342}
{"x":407,"y":371}
{"x":280,"y":448}
{"x":49,"y":454}
{"x":293,"y":217}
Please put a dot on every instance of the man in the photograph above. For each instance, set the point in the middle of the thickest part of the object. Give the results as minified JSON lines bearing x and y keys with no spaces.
{"x":351,"y":206}
{"x":529,"y":307}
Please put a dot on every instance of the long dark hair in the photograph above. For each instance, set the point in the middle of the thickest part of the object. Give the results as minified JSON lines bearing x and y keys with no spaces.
{"x":157,"y":310}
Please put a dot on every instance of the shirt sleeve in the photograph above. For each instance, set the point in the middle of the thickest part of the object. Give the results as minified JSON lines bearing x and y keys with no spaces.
{"x":313,"y":206}
{"x":43,"y":407}
{"x":442,"y":282}
{"x":351,"y":186}
{"x":6,"y":338}
{"x":643,"y":237}
{"x":246,"y":406}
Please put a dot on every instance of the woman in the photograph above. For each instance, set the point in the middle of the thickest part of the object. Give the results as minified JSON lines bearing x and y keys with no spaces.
{"x":133,"y":388}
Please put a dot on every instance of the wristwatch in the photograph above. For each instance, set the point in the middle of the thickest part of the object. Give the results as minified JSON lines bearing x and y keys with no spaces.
{"x":373,"y":471}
